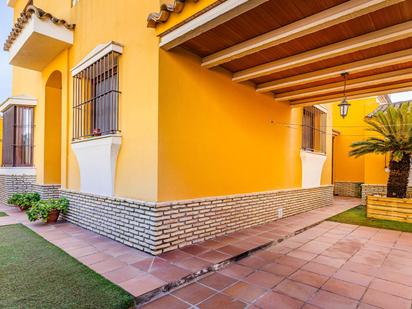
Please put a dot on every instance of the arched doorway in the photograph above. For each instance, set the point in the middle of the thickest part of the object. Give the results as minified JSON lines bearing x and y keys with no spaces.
{"x":52,"y":130}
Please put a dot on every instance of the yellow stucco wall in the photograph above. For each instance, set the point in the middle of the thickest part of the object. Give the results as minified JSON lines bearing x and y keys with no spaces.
{"x":53,"y":130}
{"x":368,"y":169}
{"x":217,"y":137}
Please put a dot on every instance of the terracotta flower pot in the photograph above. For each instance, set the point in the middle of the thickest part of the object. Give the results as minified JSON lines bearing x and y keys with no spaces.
{"x":53,"y":216}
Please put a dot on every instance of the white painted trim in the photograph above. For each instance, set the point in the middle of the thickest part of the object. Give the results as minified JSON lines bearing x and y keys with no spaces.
{"x":17,"y":100}
{"x":18,"y":171}
{"x":11,"y":3}
{"x":209,"y":17}
{"x":43,"y":27}
{"x":312,"y":166}
{"x":97,"y":162}
{"x":97,"y":53}
{"x":321,"y":108}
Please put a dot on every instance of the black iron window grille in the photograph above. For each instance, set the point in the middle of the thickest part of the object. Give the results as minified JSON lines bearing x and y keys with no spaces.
{"x":314,"y":129}
{"x":18,"y":129}
{"x":96,"y":98}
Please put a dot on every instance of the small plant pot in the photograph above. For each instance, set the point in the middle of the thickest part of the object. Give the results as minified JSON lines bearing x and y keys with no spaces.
{"x":23,"y":208}
{"x":53,"y":216}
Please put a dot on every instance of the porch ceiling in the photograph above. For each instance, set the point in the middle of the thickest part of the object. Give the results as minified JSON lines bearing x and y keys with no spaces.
{"x":297,"y":49}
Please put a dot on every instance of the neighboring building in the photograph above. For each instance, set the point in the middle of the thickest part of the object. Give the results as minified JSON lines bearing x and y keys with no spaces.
{"x":364,"y":175}
{"x":161,"y":146}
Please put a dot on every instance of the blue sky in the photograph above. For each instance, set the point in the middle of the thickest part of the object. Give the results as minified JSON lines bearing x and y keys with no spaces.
{"x":6,"y":18}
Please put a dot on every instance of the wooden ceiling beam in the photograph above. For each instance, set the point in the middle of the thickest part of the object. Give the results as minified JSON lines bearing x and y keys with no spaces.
{"x":358,"y":94}
{"x":212,"y":18}
{"x":368,"y":81}
{"x":322,"y":20}
{"x":353,"y":67}
{"x":372,"y":39}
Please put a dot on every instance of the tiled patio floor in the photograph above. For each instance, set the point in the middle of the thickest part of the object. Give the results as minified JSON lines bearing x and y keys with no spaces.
{"x":329,"y":266}
{"x":144,"y":275}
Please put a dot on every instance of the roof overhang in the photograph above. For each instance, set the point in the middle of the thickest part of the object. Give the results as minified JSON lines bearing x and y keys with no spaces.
{"x":11,"y":3}
{"x":297,"y":50}
{"x":17,"y":101}
{"x":37,"y":39}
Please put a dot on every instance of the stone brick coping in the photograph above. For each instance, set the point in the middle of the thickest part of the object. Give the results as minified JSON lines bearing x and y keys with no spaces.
{"x":146,"y":276}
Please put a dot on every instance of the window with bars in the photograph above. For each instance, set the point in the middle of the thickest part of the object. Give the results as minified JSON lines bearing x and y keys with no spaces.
{"x":314,"y":129}
{"x":96,"y":98}
{"x":18,"y":130}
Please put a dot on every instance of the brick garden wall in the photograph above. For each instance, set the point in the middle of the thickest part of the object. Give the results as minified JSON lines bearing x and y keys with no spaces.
{"x":351,"y":189}
{"x":47,"y":191}
{"x":10,"y":184}
{"x":368,"y":189}
{"x":160,"y":227}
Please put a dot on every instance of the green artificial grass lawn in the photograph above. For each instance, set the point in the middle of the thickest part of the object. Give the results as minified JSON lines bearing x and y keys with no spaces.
{"x":36,"y":274}
{"x":3,"y":214}
{"x":357,"y":216}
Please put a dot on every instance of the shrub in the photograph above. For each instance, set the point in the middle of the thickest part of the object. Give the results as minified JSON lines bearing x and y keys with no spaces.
{"x":42,"y":209}
{"x":24,"y":200}
{"x":14,"y":199}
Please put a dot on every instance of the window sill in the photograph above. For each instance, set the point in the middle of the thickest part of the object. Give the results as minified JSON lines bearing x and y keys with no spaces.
{"x":94,"y":138}
{"x":18,"y":171}
{"x":313,"y":152}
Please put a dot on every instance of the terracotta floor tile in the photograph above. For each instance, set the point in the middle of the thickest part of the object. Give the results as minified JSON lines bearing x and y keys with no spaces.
{"x":344,"y":288}
{"x":353,"y":277}
{"x":81,"y":252}
{"x":291,"y":261}
{"x":391,"y":275}
{"x":193,"y":264}
{"x":244,"y":291}
{"x":231,"y":250}
{"x":166,"y":302}
{"x":274,"y":300}
{"x":170,"y":273}
{"x":123,"y":274}
{"x":385,"y":300}
{"x":320,"y":269}
{"x":368,"y":270}
{"x":142,"y":285}
{"x":131,"y":258}
{"x":94,"y":258}
{"x":222,"y":301}
{"x":175,"y":255}
{"x":252,"y":262}
{"x":309,"y":278}
{"x":212,"y":244}
{"x":217,"y":281}
{"x":295,"y":289}
{"x":392,"y":288}
{"x":195,"y":249}
{"x":236,"y":271}
{"x":106,"y":266}
{"x":304,"y":255}
{"x":214,"y":256}
{"x":279,"y":269}
{"x":267,"y":255}
{"x":331,"y":261}
{"x":327,"y":300}
{"x":367,"y":306}
{"x":194,"y":293}
{"x":263,"y":279}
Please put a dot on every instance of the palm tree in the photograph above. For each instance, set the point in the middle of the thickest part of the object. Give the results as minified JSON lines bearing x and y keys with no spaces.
{"x":394,"y":128}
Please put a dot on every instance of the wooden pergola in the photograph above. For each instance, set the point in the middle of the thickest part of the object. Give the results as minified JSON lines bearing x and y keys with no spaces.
{"x":298,"y":49}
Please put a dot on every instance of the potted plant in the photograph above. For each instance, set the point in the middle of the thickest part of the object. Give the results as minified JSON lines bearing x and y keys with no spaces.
{"x":14,"y":199}
{"x":48,"y":210}
{"x":393,"y":135}
{"x":24,"y":200}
